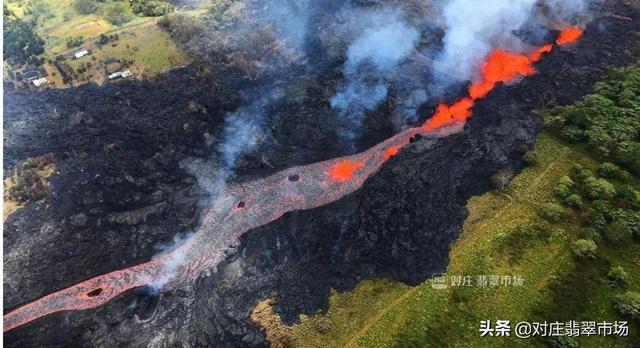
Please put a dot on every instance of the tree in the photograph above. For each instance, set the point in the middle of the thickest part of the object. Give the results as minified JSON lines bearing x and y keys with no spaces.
{"x":530,"y":158}
{"x":628,"y":154}
{"x":609,"y":171}
{"x":117,"y":13}
{"x":580,"y":174}
{"x":628,"y":304}
{"x":617,"y":232}
{"x":584,"y":248}
{"x":561,"y":191}
{"x":600,"y":189}
{"x":152,"y":8}
{"x":85,"y":6}
{"x":617,"y":276}
{"x":21,"y":44}
{"x":502,"y":178}
{"x":590,"y":233}
{"x":574,"y":201}
{"x":552,"y":212}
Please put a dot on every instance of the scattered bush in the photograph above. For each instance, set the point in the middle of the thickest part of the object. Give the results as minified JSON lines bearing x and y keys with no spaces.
{"x":584,"y":248}
{"x":552,"y":211}
{"x":628,"y":305}
{"x":600,"y":214}
{"x":530,"y":158}
{"x":617,"y":276}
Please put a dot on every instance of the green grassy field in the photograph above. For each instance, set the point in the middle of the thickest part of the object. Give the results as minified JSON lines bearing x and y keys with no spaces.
{"x":141,"y":41}
{"x":556,"y":286}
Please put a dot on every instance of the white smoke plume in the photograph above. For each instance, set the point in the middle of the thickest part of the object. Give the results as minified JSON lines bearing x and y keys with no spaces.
{"x":371,"y":57}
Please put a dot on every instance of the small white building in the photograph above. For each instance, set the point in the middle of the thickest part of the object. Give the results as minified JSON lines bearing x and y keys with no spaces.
{"x":39,"y":82}
{"x":81,"y":54}
{"x":120,"y":74}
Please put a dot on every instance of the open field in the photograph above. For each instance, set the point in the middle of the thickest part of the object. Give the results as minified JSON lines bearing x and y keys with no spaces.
{"x":397,"y":315}
{"x":141,"y":43}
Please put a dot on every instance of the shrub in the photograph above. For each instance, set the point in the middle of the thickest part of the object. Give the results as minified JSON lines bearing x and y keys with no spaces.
{"x":584,"y":248}
{"x":600,"y":214}
{"x":590,"y":233}
{"x":74,"y":42}
{"x":628,"y":304}
{"x":530,"y":158}
{"x":552,"y":211}
{"x":580,"y":174}
{"x":502,"y":178}
{"x":574,"y":201}
{"x":609,"y":171}
{"x":600,"y":189}
{"x":561,"y":191}
{"x":566,"y":181}
{"x":617,"y":276}
{"x":617,"y":232}
{"x":629,"y":197}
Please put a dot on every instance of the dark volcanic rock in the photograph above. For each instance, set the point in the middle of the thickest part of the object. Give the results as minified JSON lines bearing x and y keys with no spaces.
{"x":398,"y":225}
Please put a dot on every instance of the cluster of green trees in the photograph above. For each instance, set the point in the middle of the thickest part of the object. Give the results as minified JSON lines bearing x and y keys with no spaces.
{"x":607,"y":122}
{"x":115,"y":11}
{"x":22,"y":44}
{"x":74,"y":42}
{"x":609,"y":204}
{"x":152,"y":8}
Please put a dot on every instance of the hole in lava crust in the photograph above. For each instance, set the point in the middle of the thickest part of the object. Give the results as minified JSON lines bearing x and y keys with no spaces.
{"x":94,"y":293}
{"x":241,"y":204}
{"x":294,"y":178}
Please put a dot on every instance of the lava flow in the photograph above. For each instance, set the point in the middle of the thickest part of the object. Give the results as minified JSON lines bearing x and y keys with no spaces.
{"x":248,"y":205}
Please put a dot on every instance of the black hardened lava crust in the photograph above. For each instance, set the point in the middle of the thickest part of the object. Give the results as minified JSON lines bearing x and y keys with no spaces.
{"x":108,"y":209}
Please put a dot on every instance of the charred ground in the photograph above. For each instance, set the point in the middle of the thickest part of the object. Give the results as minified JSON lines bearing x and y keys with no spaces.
{"x":120,"y":192}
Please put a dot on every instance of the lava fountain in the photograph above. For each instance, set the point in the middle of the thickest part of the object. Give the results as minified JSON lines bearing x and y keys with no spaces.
{"x":248,"y":205}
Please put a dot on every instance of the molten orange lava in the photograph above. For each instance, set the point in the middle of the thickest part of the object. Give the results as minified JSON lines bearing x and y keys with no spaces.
{"x":537,"y":54}
{"x":343,"y":170}
{"x":390,"y":152}
{"x":569,"y":35}
{"x":447,"y":115}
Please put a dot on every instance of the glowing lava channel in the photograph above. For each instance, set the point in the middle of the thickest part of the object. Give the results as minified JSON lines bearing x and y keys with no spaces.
{"x":248,"y":205}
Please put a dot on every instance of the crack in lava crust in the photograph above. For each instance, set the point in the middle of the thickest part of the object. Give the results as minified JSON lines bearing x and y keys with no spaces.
{"x":248,"y":205}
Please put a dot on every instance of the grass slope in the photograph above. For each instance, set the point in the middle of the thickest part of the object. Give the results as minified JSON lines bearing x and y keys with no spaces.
{"x":556,"y":286}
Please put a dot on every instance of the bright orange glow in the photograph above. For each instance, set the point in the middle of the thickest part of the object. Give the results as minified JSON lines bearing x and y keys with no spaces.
{"x":447,"y":115}
{"x":537,"y":54}
{"x":343,"y":170}
{"x":480,"y":89}
{"x":390,"y":152}
{"x":569,"y":35}
{"x":502,"y":66}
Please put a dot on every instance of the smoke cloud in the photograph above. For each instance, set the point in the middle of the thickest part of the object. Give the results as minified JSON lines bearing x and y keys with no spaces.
{"x":371,"y":58}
